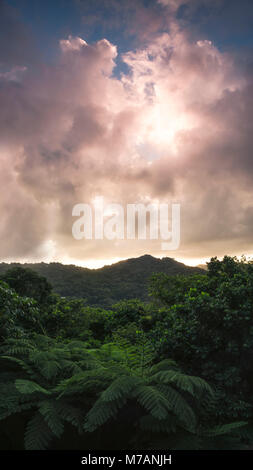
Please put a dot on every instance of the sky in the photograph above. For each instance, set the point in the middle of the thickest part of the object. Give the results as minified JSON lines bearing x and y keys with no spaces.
{"x":132,"y":100}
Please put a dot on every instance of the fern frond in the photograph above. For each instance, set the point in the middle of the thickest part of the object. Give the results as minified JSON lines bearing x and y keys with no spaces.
{"x":49,"y":369}
{"x":177,"y":404}
{"x":11,"y":401}
{"x":50,"y":412}
{"x":17,"y":347}
{"x":119,"y":388}
{"x":37,"y":434}
{"x":224,"y":429}
{"x":70,"y":414}
{"x":149,"y":423}
{"x":28,"y":387}
{"x":165,"y":365}
{"x":100,"y":413}
{"x":26,"y":367}
{"x":191,"y":384}
{"x":77,"y":384}
{"x":152,"y":400}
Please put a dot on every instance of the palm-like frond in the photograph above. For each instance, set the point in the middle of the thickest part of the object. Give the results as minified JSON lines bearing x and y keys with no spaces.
{"x":190,"y":384}
{"x":28,"y":387}
{"x":49,"y":410}
{"x":101,"y":412}
{"x":179,"y":406}
{"x":153,"y":400}
{"x":223,"y":429}
{"x":120,"y":388}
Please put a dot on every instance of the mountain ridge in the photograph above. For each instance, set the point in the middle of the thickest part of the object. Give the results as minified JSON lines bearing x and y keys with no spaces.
{"x":104,"y":286}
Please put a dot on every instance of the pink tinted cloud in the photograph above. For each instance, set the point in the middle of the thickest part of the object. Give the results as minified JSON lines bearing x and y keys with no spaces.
{"x":173,"y":4}
{"x":175,"y":127}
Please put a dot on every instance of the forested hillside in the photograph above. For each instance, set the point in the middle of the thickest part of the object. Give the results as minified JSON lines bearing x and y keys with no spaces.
{"x":105,"y":286}
{"x":172,"y":373}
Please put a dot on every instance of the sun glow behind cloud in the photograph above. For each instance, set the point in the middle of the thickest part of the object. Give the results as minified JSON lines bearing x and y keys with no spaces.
{"x":165,"y":123}
{"x":79,"y":130}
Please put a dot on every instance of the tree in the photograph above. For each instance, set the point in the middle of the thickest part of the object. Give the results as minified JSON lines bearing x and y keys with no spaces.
{"x":18,"y":315}
{"x":206,"y":324}
{"x":28,"y":283}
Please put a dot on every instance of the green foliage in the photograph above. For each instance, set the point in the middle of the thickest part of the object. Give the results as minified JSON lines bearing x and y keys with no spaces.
{"x":105,"y":286}
{"x":31,"y":384}
{"x":28,"y":283}
{"x":206,"y":324}
{"x":172,"y":373}
{"x":17,"y":314}
{"x":89,"y":387}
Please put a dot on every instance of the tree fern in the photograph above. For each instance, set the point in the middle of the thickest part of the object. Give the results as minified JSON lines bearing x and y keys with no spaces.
{"x":63,"y":383}
{"x":162,"y":394}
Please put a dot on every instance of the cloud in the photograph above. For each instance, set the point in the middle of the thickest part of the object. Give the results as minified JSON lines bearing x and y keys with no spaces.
{"x":173,"y":4}
{"x":175,"y":127}
{"x":137,"y":21}
{"x":228,"y":22}
{"x":72,"y":44}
